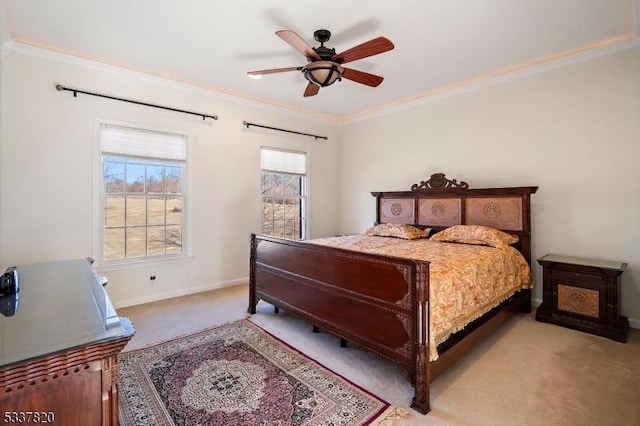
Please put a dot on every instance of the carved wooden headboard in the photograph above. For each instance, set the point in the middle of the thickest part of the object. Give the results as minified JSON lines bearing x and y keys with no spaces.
{"x":439,"y":202}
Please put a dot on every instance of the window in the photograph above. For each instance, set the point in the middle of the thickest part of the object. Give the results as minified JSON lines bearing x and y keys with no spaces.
{"x":283,"y":192}
{"x":143,"y":193}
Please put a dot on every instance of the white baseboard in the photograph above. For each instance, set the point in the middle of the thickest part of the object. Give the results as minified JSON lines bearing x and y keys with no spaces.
{"x":633,"y":323}
{"x":177,"y":293}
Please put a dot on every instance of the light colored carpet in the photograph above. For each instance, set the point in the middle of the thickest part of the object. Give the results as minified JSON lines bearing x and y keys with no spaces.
{"x":528,"y":373}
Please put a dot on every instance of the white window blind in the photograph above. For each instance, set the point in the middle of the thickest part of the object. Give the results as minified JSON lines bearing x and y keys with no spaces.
{"x":275,"y":160}
{"x":135,"y":143}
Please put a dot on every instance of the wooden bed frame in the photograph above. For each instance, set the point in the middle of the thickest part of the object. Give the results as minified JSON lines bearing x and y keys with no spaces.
{"x":382,"y":303}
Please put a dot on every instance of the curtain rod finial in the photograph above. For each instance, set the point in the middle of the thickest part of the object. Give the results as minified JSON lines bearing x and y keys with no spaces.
{"x":59,"y":87}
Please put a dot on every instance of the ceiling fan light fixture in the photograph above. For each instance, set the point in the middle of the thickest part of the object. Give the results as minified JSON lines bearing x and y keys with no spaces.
{"x":323,"y":73}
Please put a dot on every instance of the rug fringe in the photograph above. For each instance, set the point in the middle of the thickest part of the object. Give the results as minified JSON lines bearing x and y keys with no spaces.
{"x":390,"y":415}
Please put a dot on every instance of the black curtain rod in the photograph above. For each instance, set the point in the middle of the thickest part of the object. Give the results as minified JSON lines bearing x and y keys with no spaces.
{"x":76,"y":91}
{"x":284,"y":130}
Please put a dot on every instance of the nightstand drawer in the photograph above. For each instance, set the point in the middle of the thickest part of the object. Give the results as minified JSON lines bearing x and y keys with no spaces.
{"x":561,"y":274}
{"x":579,"y":300}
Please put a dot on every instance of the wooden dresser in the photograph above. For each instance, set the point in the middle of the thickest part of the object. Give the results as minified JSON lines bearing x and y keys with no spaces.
{"x":583,"y":294}
{"x":59,"y":348}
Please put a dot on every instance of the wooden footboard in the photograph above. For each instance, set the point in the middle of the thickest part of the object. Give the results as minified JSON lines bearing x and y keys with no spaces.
{"x":377,"y":302}
{"x":382,"y":303}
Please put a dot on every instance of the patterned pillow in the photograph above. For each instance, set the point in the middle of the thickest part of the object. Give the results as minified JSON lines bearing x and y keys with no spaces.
{"x":475,"y":234}
{"x":395,"y":230}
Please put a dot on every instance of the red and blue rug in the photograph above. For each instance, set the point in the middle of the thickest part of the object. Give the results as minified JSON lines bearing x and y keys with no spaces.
{"x":239,"y":374}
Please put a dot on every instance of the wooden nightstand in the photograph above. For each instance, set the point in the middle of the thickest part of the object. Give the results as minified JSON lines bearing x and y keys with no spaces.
{"x":583,"y":294}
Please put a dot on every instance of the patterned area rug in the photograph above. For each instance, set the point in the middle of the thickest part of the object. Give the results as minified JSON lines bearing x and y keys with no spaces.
{"x":238,"y":374}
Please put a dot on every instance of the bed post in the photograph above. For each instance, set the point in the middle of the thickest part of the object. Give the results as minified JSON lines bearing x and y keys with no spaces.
{"x":253,"y":302}
{"x":422,"y":377}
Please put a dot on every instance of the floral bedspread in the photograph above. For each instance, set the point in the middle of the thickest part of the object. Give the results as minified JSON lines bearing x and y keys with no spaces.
{"x":465,"y":281}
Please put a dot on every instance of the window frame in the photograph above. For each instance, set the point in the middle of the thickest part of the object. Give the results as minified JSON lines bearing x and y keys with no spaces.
{"x":304,"y":204}
{"x":100,"y":196}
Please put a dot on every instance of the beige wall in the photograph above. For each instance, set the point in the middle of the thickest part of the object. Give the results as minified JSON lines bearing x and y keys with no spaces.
{"x":47,"y":169}
{"x":573,"y":131}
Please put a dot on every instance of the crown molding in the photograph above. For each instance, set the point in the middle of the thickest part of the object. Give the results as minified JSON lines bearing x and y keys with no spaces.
{"x":214,"y":93}
{"x":540,"y":66}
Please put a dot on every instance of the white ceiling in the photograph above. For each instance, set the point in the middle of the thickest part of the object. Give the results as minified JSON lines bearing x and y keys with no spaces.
{"x":440,"y":45}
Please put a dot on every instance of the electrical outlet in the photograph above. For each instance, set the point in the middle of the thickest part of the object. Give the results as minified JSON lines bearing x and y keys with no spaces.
{"x":152,"y":276}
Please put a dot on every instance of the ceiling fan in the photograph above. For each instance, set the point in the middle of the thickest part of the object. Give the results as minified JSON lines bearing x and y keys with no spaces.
{"x":324,"y":65}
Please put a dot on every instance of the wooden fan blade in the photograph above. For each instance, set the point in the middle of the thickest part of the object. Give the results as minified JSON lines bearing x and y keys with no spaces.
{"x":274,"y":70}
{"x":362,"y":77}
{"x":311,"y":90}
{"x":364,"y":50}
{"x":298,"y":43}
